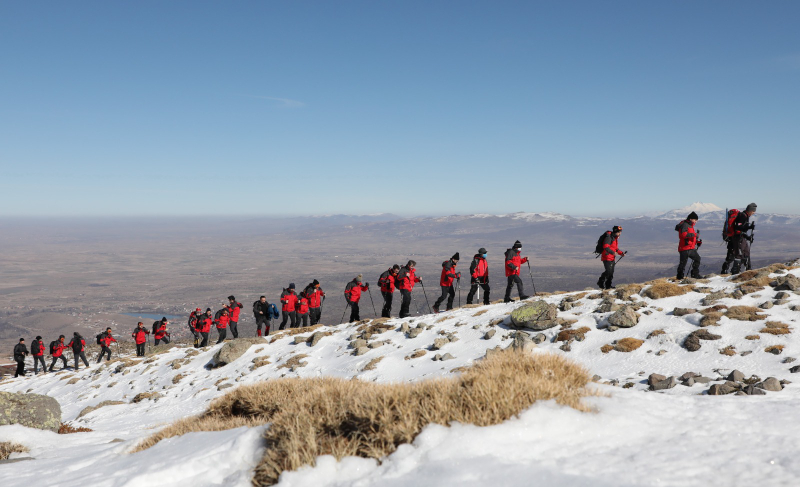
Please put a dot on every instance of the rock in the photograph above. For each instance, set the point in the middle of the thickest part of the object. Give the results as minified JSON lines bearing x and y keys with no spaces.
{"x":414,"y":332}
{"x":565,"y":347}
{"x":766,"y":305}
{"x":234,"y":349}
{"x":404,"y":328}
{"x":624,"y":318}
{"x":653,"y":378}
{"x":720,"y":390}
{"x":661,"y":352}
{"x":786,"y":283}
{"x":437,"y":357}
{"x":712,"y":298}
{"x":788,"y":360}
{"x":299,"y":339}
{"x":522,"y":341}
{"x":316,"y":337}
{"x":683,"y":311}
{"x":608,"y":306}
{"x":736,"y":376}
{"x":447,"y":356}
{"x":360,"y":351}
{"x":754,"y":391}
{"x":746,"y":353}
{"x":31,"y":410}
{"x":783,"y":295}
{"x":565,"y":306}
{"x":492,"y":351}
{"x":539,"y":338}
{"x":688,"y":382}
{"x":377,"y":344}
{"x":227,"y":385}
{"x":795,"y":369}
{"x":439,"y":343}
{"x":780,"y":302}
{"x":612,"y":328}
{"x":687,"y":375}
{"x":596,"y":378}
{"x":692,"y":341}
{"x":770,"y":384}
{"x":537,"y":316}
{"x":668,"y":383}
{"x":489,"y":334}
{"x":702,"y":380}
{"x":358,"y":343}
{"x":738,"y":294}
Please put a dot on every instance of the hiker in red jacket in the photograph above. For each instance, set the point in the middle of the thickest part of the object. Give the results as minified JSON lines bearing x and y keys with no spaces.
{"x":479,"y":276}
{"x":203,"y":328}
{"x":449,"y":275}
{"x":405,"y":280}
{"x":235,"y":308}
{"x":289,"y":301}
{"x":513,"y":264}
{"x":57,"y":352}
{"x":161,"y":334}
{"x":78,"y":345}
{"x":315,"y":296}
{"x":140,"y":337}
{"x":37,"y":350}
{"x":105,"y":342}
{"x":387,"y":283}
{"x":608,"y":256}
{"x":193,"y":317}
{"x":221,"y":320}
{"x":688,"y":244}
{"x":739,"y":241}
{"x":302,"y":309}
{"x":352,"y":293}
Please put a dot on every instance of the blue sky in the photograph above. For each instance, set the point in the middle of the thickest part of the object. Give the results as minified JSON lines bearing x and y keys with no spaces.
{"x":234,"y":108}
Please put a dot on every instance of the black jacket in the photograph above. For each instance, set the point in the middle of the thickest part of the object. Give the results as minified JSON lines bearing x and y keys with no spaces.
{"x":20,"y":351}
{"x":262,"y":307}
{"x":741,"y":224}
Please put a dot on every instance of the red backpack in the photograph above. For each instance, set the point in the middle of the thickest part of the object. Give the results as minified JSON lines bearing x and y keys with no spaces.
{"x":727,"y":229}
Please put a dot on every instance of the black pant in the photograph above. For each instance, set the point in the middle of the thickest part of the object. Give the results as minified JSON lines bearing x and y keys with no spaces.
{"x":684,"y":258}
{"x":315,"y":314}
{"x":203,"y":338}
{"x":292,"y":317}
{"x":234,"y":329}
{"x":406,"y":303}
{"x":262,"y":320}
{"x":36,"y":360}
{"x":164,"y":339}
{"x":20,"y":367}
{"x":354,"y":316}
{"x":55,"y":359}
{"x":302,"y":318}
{"x":104,"y":351}
{"x":80,"y":355}
{"x":511,"y":280}
{"x":738,"y":254}
{"x":223,"y":332}
{"x":140,"y":349}
{"x":474,"y":288}
{"x":608,"y":275}
{"x":449,"y":293}
{"x":386,"y":311}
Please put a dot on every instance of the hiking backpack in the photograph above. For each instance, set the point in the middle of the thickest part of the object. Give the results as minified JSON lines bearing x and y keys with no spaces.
{"x":727,"y":227}
{"x":35,"y":347}
{"x":100,"y":337}
{"x":53,"y":346}
{"x":598,"y":249}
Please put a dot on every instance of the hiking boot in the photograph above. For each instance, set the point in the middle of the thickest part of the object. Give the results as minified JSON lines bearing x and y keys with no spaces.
{"x":506,"y":300}
{"x":737,"y":266}
{"x":436,"y":309}
{"x":523,"y":297}
{"x":724,"y":267}
{"x":679,"y":277}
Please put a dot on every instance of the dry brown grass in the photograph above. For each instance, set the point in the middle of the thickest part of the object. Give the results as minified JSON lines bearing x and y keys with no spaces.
{"x":144,"y":396}
{"x":89,"y":409}
{"x":416,"y":354}
{"x":633,"y":288}
{"x":480,"y":312}
{"x":747,"y":275}
{"x":260,"y":362}
{"x":730,"y":351}
{"x":8,"y":447}
{"x":752,"y":337}
{"x":569,"y":334}
{"x":295,"y":361}
{"x":776,"y":328}
{"x":655,"y":333}
{"x":665,"y":289}
{"x":329,"y":416}
{"x":177,"y":378}
{"x":373,"y":364}
{"x":468,"y":306}
{"x":66,"y":429}
{"x":774,"y":348}
{"x":606,"y":348}
{"x":711,"y":319}
{"x":628,"y":344}
{"x":758,"y":282}
{"x":375,"y":327}
{"x":744,"y":313}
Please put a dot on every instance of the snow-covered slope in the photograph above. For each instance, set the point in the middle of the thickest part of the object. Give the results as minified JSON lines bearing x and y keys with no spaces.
{"x":678,"y":436}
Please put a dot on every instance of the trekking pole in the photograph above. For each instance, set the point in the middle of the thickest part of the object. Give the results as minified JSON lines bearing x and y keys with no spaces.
{"x":373,"y":302}
{"x":458,"y":287}
{"x":530,"y":273}
{"x":426,"y":297}
{"x":621,"y":257}
{"x":343,"y":312}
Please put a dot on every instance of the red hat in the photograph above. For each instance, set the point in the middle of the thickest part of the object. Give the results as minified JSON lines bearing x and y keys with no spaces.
{"x":198,"y":309}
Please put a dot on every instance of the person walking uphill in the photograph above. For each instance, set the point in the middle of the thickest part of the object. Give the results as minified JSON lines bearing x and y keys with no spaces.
{"x":20,"y":351}
{"x":235,"y":309}
{"x":688,"y":245}
{"x":387,"y":283}
{"x":221,"y":321}
{"x":262,"y":315}
{"x":315,"y":296}
{"x":204,"y":327}
{"x":609,"y":256}
{"x":405,"y":280}
{"x":105,"y":340}
{"x":140,"y":337}
{"x":160,"y":333}
{"x":78,"y":345}
{"x":449,"y":275}
{"x":479,"y":276}
{"x":302,"y":309}
{"x":57,"y":352}
{"x":738,"y":240}
{"x":289,"y":308}
{"x":513,"y":265}
{"x":352,"y":292}
{"x":37,"y":350}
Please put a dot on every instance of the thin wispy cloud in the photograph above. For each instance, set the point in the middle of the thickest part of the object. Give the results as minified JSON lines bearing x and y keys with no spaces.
{"x":283,"y":102}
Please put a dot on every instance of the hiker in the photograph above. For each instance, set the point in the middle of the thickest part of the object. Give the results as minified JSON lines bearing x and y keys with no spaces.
{"x":78,"y":345}
{"x":479,"y":276}
{"x":513,"y":265}
{"x":20,"y":351}
{"x":37,"y":350}
{"x":449,"y":275}
{"x":302,"y":309}
{"x":262,"y":315}
{"x":204,"y":327}
{"x":193,"y":317}
{"x":235,"y":309}
{"x":688,"y":245}
{"x":405,"y":280}
{"x":105,"y":339}
{"x":738,"y":240}
{"x":352,"y":292}
{"x":221,"y":321}
{"x":386,"y":282}
{"x":161,"y":334}
{"x":57,"y":352}
{"x":289,"y":301}
{"x":140,"y":337}
{"x":316,"y":296}
{"x":609,"y":256}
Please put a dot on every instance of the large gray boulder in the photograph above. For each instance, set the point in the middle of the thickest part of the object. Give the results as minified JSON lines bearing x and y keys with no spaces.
{"x":626,"y":317}
{"x":537,"y":316}
{"x":31,"y":410}
{"x":234,"y":349}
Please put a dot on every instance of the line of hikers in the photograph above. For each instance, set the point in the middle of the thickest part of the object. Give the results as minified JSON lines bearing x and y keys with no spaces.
{"x":306,"y":308}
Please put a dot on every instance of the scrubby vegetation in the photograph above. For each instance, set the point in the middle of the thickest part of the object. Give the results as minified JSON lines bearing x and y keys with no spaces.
{"x":665,"y":289}
{"x":8,"y":447}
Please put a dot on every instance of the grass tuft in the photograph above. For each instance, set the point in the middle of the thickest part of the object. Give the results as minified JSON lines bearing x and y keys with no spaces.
{"x":776,"y":328}
{"x":628,"y":344}
{"x":665,"y":289}
{"x":66,"y":429}
{"x":744,"y":313}
{"x":8,"y":447}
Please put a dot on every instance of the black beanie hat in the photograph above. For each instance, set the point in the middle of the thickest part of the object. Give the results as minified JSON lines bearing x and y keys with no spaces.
{"x":692,"y":216}
{"x":455,"y":257}
{"x":164,"y":319}
{"x":231,"y":298}
{"x":517,"y":245}
{"x":315,"y":282}
{"x":481,"y":250}
{"x":291,"y":285}
{"x":208,"y":309}
{"x":39,"y":337}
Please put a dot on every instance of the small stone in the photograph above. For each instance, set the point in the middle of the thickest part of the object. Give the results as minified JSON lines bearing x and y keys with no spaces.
{"x":439,"y":343}
{"x":668,"y":383}
{"x":414,"y":332}
{"x":539,"y":338}
{"x":566,"y":347}
{"x":754,"y":391}
{"x":522,"y":341}
{"x":770,"y":384}
{"x":766,"y":305}
{"x":447,"y":356}
{"x":688,"y":382}
{"x":783,"y":295}
{"x":626,"y":317}
{"x":489,"y":334}
{"x":475,"y":327}
{"x":358,"y":343}
{"x":376,"y":344}
{"x":661,"y":352}
{"x":740,"y":393}
{"x":316,"y":337}
{"x":720,"y":390}
{"x":596,"y":378}
{"x":404,"y":328}
{"x":736,"y":376}
{"x":746,"y":353}
{"x":361,"y":351}
{"x":738,"y":294}
{"x":437,"y":357}
{"x":795,"y":369}
{"x":224,"y":386}
{"x":300,"y":339}
{"x":683,"y":311}
{"x":653,"y":378}
{"x":612,"y":328}
{"x":702,"y":380}
{"x":788,"y":360}
{"x":687,"y":375}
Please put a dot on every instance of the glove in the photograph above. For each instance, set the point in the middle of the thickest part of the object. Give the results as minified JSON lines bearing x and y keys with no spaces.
{"x":458,"y":275}
{"x":621,"y":252}
{"x":752,"y":226}
{"x":366,"y":285}
{"x":699,"y":243}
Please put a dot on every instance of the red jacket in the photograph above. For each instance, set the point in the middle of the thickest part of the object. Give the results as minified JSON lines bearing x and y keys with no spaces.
{"x":514,"y":262}
{"x":610,"y":248}
{"x":687,"y":236}
{"x":203,"y":324}
{"x":386,"y":281}
{"x":234,"y":311}
{"x":140,"y":335}
{"x":406,"y":279}
{"x":289,"y":300}
{"x":353,"y":291}
{"x":302,"y":307}
{"x":107,"y":339}
{"x":222,"y":321}
{"x":449,"y":273}
{"x":41,"y":348}
{"x":161,"y":331}
{"x":59,"y":349}
{"x":315,"y":298}
{"x":481,"y":271}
